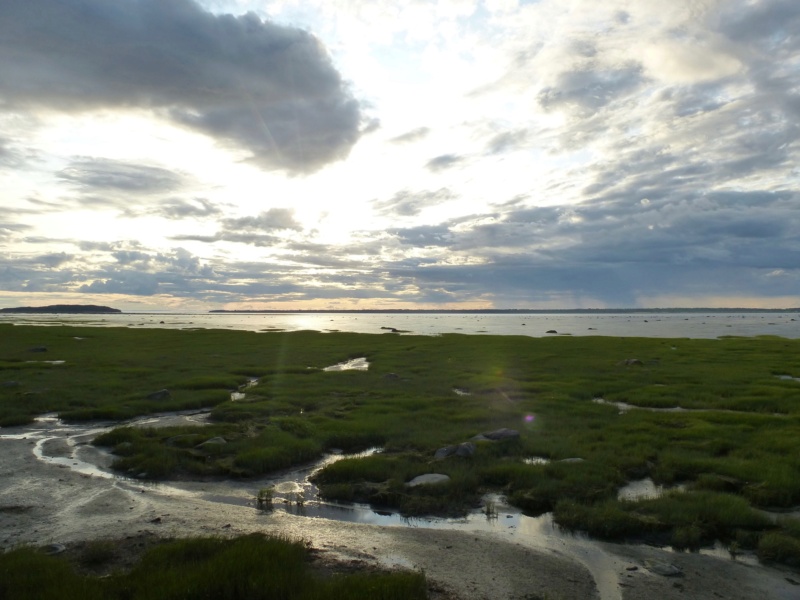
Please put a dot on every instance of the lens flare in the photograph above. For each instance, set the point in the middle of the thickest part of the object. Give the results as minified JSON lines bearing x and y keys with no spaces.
{"x":530,"y":418}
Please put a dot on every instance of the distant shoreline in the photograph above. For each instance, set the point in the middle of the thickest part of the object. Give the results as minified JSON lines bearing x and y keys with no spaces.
{"x":62,"y":309}
{"x":94,"y":309}
{"x":515,"y":311}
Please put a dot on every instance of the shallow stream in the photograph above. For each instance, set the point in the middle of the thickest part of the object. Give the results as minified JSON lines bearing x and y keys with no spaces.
{"x":68,"y":446}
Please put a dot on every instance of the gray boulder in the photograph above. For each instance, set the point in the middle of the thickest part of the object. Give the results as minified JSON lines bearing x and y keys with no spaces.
{"x":465,"y":450}
{"x":160,"y":395}
{"x":664,"y":569}
{"x":444,"y":452}
{"x":632,"y":362}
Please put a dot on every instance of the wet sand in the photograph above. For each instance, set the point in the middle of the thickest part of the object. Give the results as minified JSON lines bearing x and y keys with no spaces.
{"x":46,"y":502}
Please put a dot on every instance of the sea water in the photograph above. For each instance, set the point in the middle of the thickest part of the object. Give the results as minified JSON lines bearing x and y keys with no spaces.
{"x":636,"y":324}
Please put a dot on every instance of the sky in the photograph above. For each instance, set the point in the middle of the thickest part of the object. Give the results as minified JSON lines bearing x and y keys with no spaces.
{"x":369,"y":154}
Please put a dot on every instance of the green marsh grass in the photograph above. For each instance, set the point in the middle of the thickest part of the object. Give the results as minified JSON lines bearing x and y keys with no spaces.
{"x":251,"y":567}
{"x":726,"y":426}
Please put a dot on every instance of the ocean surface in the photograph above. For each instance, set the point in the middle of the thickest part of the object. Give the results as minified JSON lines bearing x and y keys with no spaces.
{"x":639,"y":324}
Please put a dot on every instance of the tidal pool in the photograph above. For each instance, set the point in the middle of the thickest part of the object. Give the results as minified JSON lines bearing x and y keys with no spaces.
{"x":67,"y":446}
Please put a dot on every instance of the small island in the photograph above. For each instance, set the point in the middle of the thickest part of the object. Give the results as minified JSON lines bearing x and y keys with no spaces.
{"x":62,"y":308}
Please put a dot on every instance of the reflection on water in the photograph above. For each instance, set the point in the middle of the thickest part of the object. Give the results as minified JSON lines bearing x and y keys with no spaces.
{"x":67,"y":446}
{"x":657,"y":325}
{"x":355,"y":364}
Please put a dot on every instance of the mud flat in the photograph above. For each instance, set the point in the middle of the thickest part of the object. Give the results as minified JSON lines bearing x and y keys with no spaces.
{"x":57,"y":490}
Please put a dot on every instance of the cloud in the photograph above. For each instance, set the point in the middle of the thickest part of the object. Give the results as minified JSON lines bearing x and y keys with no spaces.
{"x":53,"y":259}
{"x":408,"y":204}
{"x":589,"y":89}
{"x":268,"y":89}
{"x":179,"y":208}
{"x":411,"y":136}
{"x":126,"y":282}
{"x":104,"y":175}
{"x":274,"y":219}
{"x":10,"y":156}
{"x":442,"y":162}
{"x":681,"y":62}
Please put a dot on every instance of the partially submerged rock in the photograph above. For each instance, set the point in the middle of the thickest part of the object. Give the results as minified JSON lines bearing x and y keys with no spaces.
{"x":428,"y":479}
{"x":464,"y":450}
{"x":632,"y":362}
{"x":664,"y":569}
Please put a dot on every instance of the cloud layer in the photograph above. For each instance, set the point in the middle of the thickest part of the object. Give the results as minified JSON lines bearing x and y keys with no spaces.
{"x":268,"y":89}
{"x":493,"y":154}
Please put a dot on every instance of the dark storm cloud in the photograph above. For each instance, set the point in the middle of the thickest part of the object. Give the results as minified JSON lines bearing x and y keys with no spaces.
{"x":614,"y":249}
{"x":246,"y":82}
{"x":406,"y":203}
{"x":442,"y":162}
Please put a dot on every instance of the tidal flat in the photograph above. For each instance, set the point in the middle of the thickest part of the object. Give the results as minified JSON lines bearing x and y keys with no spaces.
{"x":715,"y":424}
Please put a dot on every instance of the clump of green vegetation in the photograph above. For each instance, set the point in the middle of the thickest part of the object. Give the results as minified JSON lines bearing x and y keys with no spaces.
{"x":711,"y":415}
{"x":685,"y":520}
{"x":251,"y":567}
{"x":265,"y":498}
{"x":98,"y":552}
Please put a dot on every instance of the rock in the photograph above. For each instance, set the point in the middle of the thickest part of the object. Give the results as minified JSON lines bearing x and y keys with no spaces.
{"x":160,"y":395}
{"x":465,"y":450}
{"x":38,"y":349}
{"x":444,"y":452}
{"x":392,"y":329}
{"x":54,"y":548}
{"x":499,"y":435}
{"x":631,"y":362}
{"x":428,"y":479}
{"x":551,"y":331}
{"x":664,"y":569}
